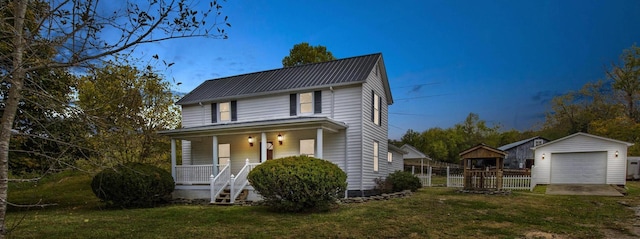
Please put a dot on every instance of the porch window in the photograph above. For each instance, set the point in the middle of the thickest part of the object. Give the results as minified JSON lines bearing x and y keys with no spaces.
{"x":224,"y":153}
{"x":389,"y":157}
{"x":307,"y":147}
{"x":225,"y":111}
{"x":306,"y":103}
{"x":375,"y":156}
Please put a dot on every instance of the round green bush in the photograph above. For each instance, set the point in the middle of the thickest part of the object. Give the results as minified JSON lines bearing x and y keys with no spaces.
{"x":133,"y":185}
{"x":299,"y":183}
{"x":401,"y":181}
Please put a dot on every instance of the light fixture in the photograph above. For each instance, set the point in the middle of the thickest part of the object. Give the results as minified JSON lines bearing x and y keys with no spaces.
{"x":542,"y":156}
{"x":250,"y":141}
{"x":280,"y":139}
{"x":616,"y":153}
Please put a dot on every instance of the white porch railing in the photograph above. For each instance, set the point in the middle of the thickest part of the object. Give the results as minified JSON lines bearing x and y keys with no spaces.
{"x":193,"y":174}
{"x":219,"y":182}
{"x":238,"y":182}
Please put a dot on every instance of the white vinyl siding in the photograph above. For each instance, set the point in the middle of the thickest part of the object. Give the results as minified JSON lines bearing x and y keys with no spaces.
{"x":375,"y":156}
{"x":225,"y":111}
{"x":195,"y":115}
{"x":307,"y":147}
{"x":348,"y":109}
{"x":370,"y":131}
{"x":186,"y":152}
{"x":306,"y":103}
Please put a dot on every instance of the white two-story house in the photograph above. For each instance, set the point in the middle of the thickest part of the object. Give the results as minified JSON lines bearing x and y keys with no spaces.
{"x":334,"y":110}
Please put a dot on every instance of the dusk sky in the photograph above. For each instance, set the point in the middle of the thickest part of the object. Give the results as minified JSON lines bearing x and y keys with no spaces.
{"x":503,"y":60}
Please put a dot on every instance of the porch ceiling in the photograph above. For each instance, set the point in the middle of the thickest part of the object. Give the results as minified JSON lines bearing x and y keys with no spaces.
{"x":272,"y":125}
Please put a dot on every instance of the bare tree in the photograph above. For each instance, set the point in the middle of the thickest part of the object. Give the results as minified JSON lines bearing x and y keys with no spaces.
{"x":79,"y":32}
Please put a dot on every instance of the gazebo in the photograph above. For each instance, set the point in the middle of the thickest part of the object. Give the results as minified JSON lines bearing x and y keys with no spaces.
{"x":483,"y":167}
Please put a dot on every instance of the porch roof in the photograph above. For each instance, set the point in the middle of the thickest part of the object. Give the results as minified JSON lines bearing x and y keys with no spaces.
{"x":270,"y":125}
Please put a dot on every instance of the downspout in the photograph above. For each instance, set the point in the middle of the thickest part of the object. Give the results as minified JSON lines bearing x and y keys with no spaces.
{"x":346,"y":161}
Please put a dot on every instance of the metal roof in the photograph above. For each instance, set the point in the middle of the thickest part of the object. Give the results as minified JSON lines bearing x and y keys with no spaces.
{"x":332,"y":73}
{"x":515,"y":144}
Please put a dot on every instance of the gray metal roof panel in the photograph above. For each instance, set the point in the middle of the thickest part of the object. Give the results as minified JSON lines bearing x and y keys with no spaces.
{"x":337,"y":72}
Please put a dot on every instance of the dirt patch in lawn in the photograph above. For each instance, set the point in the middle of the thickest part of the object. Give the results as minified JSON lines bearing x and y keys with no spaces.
{"x":542,"y":235}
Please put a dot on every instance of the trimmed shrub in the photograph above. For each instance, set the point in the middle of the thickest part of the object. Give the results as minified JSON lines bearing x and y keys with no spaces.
{"x":133,"y":185}
{"x":401,"y":181}
{"x":299,"y":183}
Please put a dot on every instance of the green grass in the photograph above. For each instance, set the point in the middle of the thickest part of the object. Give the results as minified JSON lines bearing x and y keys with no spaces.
{"x":429,"y":213}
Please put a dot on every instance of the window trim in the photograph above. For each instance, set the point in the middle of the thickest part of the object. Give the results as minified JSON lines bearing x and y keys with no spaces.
{"x":537,"y":142}
{"x":313,"y":147}
{"x":220,"y":112}
{"x":376,"y":112}
{"x":389,"y":157}
{"x":376,"y":156}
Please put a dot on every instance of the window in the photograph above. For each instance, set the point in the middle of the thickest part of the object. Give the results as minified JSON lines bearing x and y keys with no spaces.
{"x":375,"y":156}
{"x":224,"y":154}
{"x":537,"y":142}
{"x":389,"y":157}
{"x":225,"y":111}
{"x":375,"y":109}
{"x":306,"y":103}
{"x":307,"y":147}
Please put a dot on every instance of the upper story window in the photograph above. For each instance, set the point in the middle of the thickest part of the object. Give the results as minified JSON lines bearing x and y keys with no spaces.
{"x":389,"y":157}
{"x":305,"y":103}
{"x":375,"y":109}
{"x":225,"y":111}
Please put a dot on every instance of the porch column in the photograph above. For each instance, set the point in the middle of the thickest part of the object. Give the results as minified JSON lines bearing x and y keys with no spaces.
{"x":319,"y":143}
{"x":173,"y":158}
{"x":263,"y":147}
{"x":215,"y":155}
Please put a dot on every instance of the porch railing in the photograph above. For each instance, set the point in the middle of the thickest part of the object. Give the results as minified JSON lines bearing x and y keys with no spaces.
{"x":193,"y":174}
{"x":219,"y":182}
{"x":238,"y":182}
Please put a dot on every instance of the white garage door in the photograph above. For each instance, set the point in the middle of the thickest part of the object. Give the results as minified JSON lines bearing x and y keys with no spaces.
{"x":579,"y":168}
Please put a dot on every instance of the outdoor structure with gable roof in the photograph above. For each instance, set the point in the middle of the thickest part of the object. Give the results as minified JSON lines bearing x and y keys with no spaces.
{"x":581,"y":158}
{"x":519,"y":154}
{"x":415,"y":158}
{"x":336,"y":110}
{"x":483,"y":167}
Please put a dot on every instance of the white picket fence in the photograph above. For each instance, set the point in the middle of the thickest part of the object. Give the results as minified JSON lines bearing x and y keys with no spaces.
{"x":509,"y":182}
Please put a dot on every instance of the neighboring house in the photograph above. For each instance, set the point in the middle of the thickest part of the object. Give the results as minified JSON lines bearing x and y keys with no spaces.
{"x":415,"y":158}
{"x":519,"y":154}
{"x":334,"y":110}
{"x":581,"y":158}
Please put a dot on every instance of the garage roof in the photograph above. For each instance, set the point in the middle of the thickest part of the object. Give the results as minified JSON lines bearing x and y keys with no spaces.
{"x":583,"y":134}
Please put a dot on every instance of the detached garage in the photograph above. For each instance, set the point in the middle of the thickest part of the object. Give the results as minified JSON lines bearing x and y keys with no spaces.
{"x":581,"y":159}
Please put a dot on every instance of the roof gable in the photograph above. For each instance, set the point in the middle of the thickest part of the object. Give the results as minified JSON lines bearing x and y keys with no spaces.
{"x":521,"y":142}
{"x":310,"y":76}
{"x":413,"y":153}
{"x":482,"y":151}
{"x":582,"y":135}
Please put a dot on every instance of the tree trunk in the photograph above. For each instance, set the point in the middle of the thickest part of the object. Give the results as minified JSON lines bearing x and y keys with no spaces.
{"x":11,"y":107}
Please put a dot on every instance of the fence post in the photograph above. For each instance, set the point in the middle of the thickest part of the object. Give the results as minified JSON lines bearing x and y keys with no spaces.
{"x":212,"y":188}
{"x":429,"y":172}
{"x":447,"y":176}
{"x":232,"y":188}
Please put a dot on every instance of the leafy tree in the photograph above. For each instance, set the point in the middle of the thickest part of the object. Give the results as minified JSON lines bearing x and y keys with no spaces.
{"x":144,"y":103}
{"x":77,"y":33}
{"x":626,"y":80}
{"x":303,"y":53}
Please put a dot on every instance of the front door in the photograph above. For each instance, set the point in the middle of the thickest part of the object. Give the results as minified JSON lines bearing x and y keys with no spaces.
{"x":269,"y":150}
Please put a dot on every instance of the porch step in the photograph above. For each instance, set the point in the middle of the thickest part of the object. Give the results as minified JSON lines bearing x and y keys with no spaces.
{"x":225,"y":197}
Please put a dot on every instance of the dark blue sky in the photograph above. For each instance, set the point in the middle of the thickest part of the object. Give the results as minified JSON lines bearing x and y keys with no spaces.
{"x":503,"y":60}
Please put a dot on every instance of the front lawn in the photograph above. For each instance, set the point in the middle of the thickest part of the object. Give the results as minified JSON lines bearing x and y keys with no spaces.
{"x":429,"y":213}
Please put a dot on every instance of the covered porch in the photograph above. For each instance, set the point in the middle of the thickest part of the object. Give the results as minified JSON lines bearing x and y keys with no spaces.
{"x":219,"y":156}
